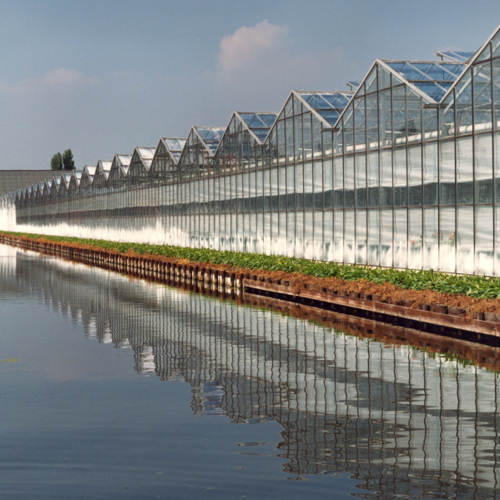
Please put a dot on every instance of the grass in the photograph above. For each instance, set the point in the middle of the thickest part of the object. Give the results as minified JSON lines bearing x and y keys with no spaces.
{"x":479,"y":287}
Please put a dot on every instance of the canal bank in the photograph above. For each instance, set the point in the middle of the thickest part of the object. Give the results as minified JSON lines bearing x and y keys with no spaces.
{"x":448,"y":316}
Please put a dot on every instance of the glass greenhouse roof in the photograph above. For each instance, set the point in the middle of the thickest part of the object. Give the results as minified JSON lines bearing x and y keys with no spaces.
{"x":259,"y":123}
{"x":90,"y":169}
{"x":433,"y":78}
{"x":175,"y":147}
{"x":329,"y":105}
{"x":454,"y":55}
{"x":211,"y":136}
{"x":124,"y":160}
{"x":146,"y":153}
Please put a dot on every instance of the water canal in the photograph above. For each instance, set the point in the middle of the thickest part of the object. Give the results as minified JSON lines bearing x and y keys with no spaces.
{"x":113,"y":387}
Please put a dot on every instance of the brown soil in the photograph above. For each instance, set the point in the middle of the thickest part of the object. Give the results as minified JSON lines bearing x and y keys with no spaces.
{"x":387,"y":292}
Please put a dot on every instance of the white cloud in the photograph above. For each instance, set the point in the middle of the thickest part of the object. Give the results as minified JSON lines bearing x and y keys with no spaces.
{"x":247,"y":46}
{"x":55,"y":81}
{"x":264,"y":61}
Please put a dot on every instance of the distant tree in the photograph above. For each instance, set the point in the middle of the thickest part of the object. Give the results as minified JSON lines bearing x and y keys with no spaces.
{"x":67,"y":160}
{"x":56,"y":162}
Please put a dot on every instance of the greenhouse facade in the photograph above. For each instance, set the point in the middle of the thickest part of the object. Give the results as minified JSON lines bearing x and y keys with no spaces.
{"x":401,"y":170}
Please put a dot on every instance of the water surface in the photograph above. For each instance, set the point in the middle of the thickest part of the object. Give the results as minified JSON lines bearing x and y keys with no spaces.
{"x":117,"y":388}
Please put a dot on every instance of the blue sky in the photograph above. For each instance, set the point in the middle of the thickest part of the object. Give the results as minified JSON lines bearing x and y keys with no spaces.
{"x":101,"y":77}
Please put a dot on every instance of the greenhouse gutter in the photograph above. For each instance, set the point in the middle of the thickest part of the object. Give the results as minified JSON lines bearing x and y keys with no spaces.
{"x":433,"y":318}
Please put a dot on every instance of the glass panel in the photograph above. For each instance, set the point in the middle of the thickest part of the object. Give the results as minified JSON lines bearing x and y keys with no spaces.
{"x":349,"y":182}
{"x":360,"y":237}
{"x":414,"y":125}
{"x":289,"y":140}
{"x":328,"y":235}
{"x":317,"y":180}
{"x":484,"y":240}
{"x":360,"y":181}
{"x":359,"y":122}
{"x":447,"y":239}
{"x":386,"y":179}
{"x":399,"y":115}
{"x":349,"y":228}
{"x":415,"y":238}
{"x":384,"y":78}
{"x":496,"y":92}
{"x":309,"y":187}
{"x":415,"y":176}
{"x":273,"y":147}
{"x":290,"y":180}
{"x":400,"y":238}
{"x":431,"y":235}
{"x":497,"y":242}
{"x":299,"y":234}
{"x":289,"y":107}
{"x":482,"y":97}
{"x":465,"y":193}
{"x":299,"y":187}
{"x":447,"y":173}
{"x":485,"y":54}
{"x":290,"y":235}
{"x":429,"y":117}
{"x":373,"y":180}
{"x":385,"y":118}
{"x":297,"y":106}
{"x":338,"y":142}
{"x":434,"y":90}
{"x":399,"y":172}
{"x":447,"y":117}
{"x":282,"y":233}
{"x":495,"y":45}
{"x":386,"y":237}
{"x":281,"y":142}
{"x":318,"y":247}
{"x":371,"y":81}
{"x":497,"y":169}
{"x":338,"y":182}
{"x":465,"y":239}
{"x":328,"y":183}
{"x":338,"y":235}
{"x":348,"y":130}
{"x":373,"y":237}
{"x":483,"y":168}
{"x":274,"y":189}
{"x":463,"y":94}
{"x":307,"y":136}
{"x":430,"y":174}
{"x":327,"y":143}
{"x":282,"y":188}
{"x":372,"y":121}
{"x":298,"y":138}
{"x":316,"y":138}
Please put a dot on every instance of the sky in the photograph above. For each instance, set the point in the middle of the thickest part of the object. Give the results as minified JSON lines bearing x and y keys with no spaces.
{"x":102,"y":77}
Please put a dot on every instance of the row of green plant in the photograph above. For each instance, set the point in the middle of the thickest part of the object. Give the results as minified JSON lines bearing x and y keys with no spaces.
{"x":480,"y":287}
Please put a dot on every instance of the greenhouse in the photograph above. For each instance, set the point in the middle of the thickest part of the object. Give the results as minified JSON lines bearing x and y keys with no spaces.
{"x":399,"y":170}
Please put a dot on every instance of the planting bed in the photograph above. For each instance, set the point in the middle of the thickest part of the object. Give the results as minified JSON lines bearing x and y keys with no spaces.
{"x":459,"y":312}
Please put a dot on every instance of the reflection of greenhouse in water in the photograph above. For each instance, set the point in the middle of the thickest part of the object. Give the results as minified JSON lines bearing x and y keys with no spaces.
{"x":399,"y":420}
{"x":402,"y":171}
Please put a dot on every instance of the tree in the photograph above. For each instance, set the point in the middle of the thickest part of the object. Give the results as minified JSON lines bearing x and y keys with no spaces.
{"x":67,"y":160}
{"x":56,"y":162}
